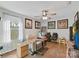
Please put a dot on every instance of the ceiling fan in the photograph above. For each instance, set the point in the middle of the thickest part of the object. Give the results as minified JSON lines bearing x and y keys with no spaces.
{"x":45,"y":15}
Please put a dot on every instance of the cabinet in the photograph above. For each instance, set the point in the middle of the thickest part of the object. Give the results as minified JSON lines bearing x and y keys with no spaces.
{"x":22,"y":49}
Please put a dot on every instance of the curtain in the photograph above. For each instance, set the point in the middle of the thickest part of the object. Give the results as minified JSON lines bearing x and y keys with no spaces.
{"x":6,"y":28}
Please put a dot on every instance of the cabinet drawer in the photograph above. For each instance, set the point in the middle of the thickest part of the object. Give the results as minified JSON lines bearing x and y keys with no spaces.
{"x":24,"y":48}
{"x":24,"y":53}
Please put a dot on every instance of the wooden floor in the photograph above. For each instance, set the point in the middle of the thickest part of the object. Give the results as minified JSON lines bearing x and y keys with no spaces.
{"x":55,"y":50}
{"x":52,"y":50}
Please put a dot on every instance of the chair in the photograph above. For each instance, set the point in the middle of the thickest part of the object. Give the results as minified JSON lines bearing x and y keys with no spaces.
{"x":48,"y":35}
{"x":54,"y":37}
{"x":62,"y":40}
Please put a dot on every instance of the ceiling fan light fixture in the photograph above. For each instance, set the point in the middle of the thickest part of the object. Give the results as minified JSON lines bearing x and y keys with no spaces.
{"x":45,"y":17}
{"x":44,"y":13}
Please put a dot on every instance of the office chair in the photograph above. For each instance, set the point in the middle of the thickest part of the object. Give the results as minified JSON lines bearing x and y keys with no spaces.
{"x":54,"y":37}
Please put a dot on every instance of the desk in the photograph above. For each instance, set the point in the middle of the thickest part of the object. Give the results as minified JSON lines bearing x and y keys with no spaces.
{"x":22,"y":49}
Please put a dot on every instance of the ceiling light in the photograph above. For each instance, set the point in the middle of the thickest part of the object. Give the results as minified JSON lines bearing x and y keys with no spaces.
{"x":44,"y":18}
{"x":44,"y":14}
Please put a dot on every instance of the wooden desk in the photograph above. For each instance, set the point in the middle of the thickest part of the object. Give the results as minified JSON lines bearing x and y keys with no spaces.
{"x":22,"y":49}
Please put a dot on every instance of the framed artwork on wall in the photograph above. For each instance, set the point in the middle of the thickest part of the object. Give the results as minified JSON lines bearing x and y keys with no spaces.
{"x":37,"y":25}
{"x":52,"y":25}
{"x":28,"y":23}
{"x":62,"y":24}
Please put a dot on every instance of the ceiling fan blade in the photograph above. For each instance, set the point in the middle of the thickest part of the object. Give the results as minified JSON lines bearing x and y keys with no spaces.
{"x":52,"y":14}
{"x":36,"y":16}
{"x":49,"y":18}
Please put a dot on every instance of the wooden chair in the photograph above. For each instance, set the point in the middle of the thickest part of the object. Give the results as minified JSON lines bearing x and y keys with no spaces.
{"x":62,"y":41}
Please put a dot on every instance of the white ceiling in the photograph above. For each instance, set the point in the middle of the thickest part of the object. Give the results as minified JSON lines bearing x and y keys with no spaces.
{"x":33,"y":8}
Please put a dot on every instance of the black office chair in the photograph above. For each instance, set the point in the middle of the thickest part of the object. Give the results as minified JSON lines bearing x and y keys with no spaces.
{"x":54,"y":37}
{"x":48,"y":35}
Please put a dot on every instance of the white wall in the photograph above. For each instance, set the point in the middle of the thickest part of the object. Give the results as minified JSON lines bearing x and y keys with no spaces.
{"x":44,"y":22}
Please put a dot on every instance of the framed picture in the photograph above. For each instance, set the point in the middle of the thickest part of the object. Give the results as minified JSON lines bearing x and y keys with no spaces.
{"x":28,"y":23}
{"x":37,"y":25}
{"x":51,"y":25}
{"x":62,"y":24}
